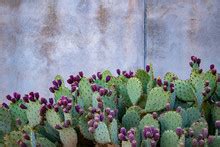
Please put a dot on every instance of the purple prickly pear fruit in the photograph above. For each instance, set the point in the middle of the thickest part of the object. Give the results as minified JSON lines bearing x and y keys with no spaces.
{"x":159,"y":81}
{"x":165,"y":88}
{"x":212,"y":66}
{"x":22,"y":144}
{"x":73,"y":88}
{"x":49,"y":106}
{"x":91,"y":129}
{"x":178,"y":109}
{"x":118,"y":71}
{"x":132,"y":130}
{"x":147,"y":68}
{"x":214,"y":71}
{"x":133,"y":143}
{"x":43,"y":101}
{"x":100,"y":105}
{"x":217,"y":124}
{"x":191,"y":64}
{"x":109,"y":93}
{"x":194,"y":142}
{"x":51,"y":90}
{"x":81,"y":111}
{"x":5,"y":105}
{"x":58,"y":127}
{"x":147,"y":134}
{"x":36,"y":95}
{"x":171,"y":89}
{"x":179,"y":131}
{"x":31,"y":98}
{"x":168,"y":107}
{"x":207,"y":89}
{"x":121,"y":137}
{"x":70,"y":81}
{"x":198,"y":61}
{"x":55,"y":83}
{"x":8,"y":97}
{"x":207,"y":83}
{"x":95,"y":125}
{"x":108,"y":78}
{"x":201,"y":142}
{"x":200,"y":71}
{"x":91,"y":80}
{"x":193,"y":58}
{"x":171,"y":85}
{"x":210,"y":139}
{"x":77,"y":107}
{"x":218,"y":80}
{"x":101,"y":117}
{"x":191,"y":132}
{"x":59,"y":82}
{"x":13,"y":100}
{"x":101,"y":91}
{"x":90,"y":122}
{"x":94,"y":87}
{"x":156,"y":136}
{"x":25,"y":99}
{"x":165,"y":83}
{"x":131,"y":137}
{"x":18,"y":122}
{"x":51,"y":101}
{"x":69,"y":106}
{"x":99,"y":99}
{"x":99,"y":75}
{"x":81,"y":74}
{"x":22,"y":106}
{"x":204,"y":93}
{"x":77,"y":78}
{"x":56,"y":108}
{"x":123,"y":131}
{"x":200,"y":137}
{"x":155,"y":115}
{"x":94,"y":76}
{"x":26,"y":136}
{"x":17,"y":96}
{"x":205,"y":133}
{"x":110,"y":118}
{"x":64,"y":102}
{"x":127,"y":75}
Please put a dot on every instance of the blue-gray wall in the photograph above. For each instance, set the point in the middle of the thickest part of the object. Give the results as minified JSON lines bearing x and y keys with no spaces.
{"x":42,"y":38}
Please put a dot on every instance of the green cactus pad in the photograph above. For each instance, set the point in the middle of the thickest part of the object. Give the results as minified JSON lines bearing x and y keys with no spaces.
{"x":193,"y":115}
{"x":126,"y":144}
{"x":45,"y":142}
{"x":109,"y":101}
{"x":63,"y":91}
{"x":184,"y":116}
{"x":184,"y":90}
{"x":143,"y":77}
{"x":169,"y":76}
{"x":94,"y":99}
{"x":215,"y":142}
{"x":113,"y":130}
{"x":218,"y":90}
{"x":101,"y":134}
{"x":198,"y":126}
{"x":134,"y":108}
{"x":134,"y":89}
{"x":131,"y":119}
{"x":215,"y":113}
{"x":208,"y":76}
{"x":33,"y":114}
{"x":85,"y":92}
{"x":169,"y":139}
{"x":5,"y":121}
{"x":53,"y":118}
{"x":17,"y":112}
{"x":68,"y":137}
{"x":170,"y":121}
{"x":157,"y":99}
{"x":105,"y":74}
{"x":83,"y":126}
{"x":11,"y":139}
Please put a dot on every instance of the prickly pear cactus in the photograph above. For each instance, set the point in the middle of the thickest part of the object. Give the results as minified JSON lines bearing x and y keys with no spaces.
{"x":148,"y":120}
{"x":170,"y":120}
{"x":134,"y":89}
{"x":5,"y":121}
{"x":157,"y":99}
{"x":184,"y":91}
{"x":68,"y":137}
{"x":193,"y":115}
{"x":85,"y":92}
{"x":131,"y":119}
{"x":144,"y":78}
{"x":101,"y":134}
{"x":113,"y":131}
{"x":169,"y":139}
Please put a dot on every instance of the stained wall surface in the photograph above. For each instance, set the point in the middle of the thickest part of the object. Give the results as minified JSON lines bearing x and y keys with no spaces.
{"x":42,"y":38}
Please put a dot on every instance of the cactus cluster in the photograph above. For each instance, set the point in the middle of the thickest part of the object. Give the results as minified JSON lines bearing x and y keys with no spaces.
{"x":129,"y":109}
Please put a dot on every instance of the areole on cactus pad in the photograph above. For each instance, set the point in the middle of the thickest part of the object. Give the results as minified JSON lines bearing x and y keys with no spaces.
{"x":128,"y":109}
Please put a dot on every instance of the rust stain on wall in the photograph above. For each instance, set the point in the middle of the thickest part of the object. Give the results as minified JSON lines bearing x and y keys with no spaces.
{"x":102,"y":18}
{"x":49,"y":30}
{"x":13,"y":4}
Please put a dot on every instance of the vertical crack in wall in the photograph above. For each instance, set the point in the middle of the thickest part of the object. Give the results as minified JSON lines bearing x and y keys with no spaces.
{"x":145,"y":32}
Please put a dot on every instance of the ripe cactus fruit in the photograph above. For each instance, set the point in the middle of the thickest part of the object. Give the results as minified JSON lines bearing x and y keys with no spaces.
{"x":157,"y":99}
{"x":198,"y":127}
{"x":169,"y":139}
{"x":170,"y":121}
{"x":134,"y":89}
{"x":184,"y":91}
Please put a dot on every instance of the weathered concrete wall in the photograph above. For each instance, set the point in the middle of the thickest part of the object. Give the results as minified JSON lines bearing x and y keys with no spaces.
{"x":42,"y":38}
{"x":177,"y":29}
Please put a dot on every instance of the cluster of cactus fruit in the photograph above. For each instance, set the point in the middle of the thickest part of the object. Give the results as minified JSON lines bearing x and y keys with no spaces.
{"x":131,"y":109}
